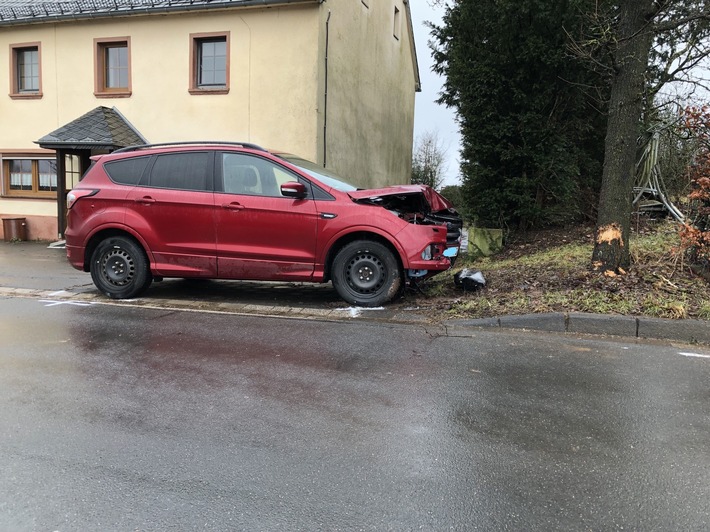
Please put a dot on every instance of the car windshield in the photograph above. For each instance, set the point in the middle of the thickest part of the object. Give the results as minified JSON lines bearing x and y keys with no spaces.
{"x":321,"y":174}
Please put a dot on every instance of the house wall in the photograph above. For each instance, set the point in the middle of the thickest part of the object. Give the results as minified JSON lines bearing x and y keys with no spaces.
{"x":273,"y":83}
{"x":271,"y":98}
{"x":371,"y":91}
{"x":277,"y":87}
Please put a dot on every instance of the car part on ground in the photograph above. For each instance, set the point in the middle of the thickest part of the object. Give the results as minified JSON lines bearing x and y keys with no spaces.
{"x":469,"y":279}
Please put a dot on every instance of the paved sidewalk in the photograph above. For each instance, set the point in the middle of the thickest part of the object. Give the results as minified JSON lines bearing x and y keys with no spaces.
{"x":32,"y":269}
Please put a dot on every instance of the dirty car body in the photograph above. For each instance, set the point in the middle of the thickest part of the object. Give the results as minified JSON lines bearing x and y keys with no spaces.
{"x":237,"y":211}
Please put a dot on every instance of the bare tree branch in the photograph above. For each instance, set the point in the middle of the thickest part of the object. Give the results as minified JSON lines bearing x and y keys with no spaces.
{"x":674,"y":24}
{"x":428,"y":160}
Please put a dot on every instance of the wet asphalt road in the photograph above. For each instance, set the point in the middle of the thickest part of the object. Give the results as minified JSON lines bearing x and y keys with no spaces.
{"x":119,"y":418}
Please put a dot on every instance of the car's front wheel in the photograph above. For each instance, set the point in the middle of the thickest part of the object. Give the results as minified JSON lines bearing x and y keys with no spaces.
{"x":119,"y":268}
{"x":366,"y":273}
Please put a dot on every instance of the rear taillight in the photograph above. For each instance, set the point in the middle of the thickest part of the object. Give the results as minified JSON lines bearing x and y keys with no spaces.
{"x":77,"y":194}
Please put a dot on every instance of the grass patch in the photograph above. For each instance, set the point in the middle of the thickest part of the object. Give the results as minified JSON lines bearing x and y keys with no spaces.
{"x":550,"y":271}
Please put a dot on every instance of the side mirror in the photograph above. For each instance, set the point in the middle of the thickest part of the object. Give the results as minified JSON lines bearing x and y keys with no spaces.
{"x":294,"y":189}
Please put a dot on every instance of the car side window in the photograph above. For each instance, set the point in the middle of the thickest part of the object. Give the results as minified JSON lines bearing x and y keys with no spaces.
{"x":182,"y":171}
{"x":254,"y":176}
{"x":127,"y":171}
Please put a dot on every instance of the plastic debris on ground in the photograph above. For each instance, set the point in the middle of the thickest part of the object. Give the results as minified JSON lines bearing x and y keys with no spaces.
{"x":469,"y":279}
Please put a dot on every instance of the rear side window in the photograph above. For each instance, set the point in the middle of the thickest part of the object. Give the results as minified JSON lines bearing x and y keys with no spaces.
{"x":183,"y":171}
{"x":127,"y":171}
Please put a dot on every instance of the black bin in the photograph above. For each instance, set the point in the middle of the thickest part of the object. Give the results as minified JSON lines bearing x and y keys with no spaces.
{"x":14,"y":229}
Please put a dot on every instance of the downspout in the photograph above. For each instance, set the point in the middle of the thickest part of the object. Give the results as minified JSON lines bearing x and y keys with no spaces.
{"x":325,"y":94}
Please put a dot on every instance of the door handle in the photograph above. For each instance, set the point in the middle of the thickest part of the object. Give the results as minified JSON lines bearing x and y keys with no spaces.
{"x":234,"y":206}
{"x":145,"y":199}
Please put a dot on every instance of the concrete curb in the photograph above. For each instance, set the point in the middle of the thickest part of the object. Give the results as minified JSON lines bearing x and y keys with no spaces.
{"x":686,"y":331}
{"x":246,"y":309}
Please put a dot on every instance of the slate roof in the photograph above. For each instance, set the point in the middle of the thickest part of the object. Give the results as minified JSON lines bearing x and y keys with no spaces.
{"x":15,"y":12}
{"x":101,"y":128}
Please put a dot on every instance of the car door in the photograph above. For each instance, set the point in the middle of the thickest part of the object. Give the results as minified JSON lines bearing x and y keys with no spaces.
{"x":173,"y":210}
{"x":261,"y":234}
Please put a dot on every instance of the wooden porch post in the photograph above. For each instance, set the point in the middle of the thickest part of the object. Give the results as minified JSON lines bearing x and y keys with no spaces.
{"x":61,"y":193}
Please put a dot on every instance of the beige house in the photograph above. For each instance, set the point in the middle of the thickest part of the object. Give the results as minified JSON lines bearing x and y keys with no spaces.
{"x":331,"y":80}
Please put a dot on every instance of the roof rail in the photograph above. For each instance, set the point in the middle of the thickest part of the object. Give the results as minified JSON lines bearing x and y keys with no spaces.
{"x":137,"y":147}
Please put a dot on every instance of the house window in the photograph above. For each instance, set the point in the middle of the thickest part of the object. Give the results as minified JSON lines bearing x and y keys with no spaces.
{"x":30,"y":177}
{"x":209,"y":63}
{"x":113,"y":68}
{"x":25,"y":78}
{"x":397,"y":22}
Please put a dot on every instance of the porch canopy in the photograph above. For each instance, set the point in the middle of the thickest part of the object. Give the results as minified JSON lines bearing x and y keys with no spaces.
{"x":101,"y":130}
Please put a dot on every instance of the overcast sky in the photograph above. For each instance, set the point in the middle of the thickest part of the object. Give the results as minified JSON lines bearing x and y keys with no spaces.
{"x":429,"y":116}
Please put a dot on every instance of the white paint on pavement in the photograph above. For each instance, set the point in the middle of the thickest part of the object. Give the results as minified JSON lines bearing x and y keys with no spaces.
{"x":51,"y":303}
{"x":693,"y":355}
{"x":356,"y":312}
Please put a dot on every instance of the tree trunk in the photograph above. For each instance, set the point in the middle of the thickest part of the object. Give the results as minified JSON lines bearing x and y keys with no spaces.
{"x":626,"y":106}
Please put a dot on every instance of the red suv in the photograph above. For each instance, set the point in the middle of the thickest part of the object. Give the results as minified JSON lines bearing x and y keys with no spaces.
{"x":236,"y":211}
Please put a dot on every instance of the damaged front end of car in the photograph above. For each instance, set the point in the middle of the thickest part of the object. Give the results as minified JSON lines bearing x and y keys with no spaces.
{"x":433,"y":238}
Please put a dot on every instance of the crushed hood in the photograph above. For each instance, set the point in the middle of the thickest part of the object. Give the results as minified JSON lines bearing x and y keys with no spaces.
{"x":436,"y":201}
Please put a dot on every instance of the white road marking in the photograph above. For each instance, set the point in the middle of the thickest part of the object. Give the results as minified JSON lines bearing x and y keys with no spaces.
{"x":694,"y":355}
{"x":58,"y":293}
{"x":356,"y":312}
{"x":50,"y":303}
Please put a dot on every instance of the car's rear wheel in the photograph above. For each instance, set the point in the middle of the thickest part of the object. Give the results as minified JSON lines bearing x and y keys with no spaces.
{"x":366,"y":273}
{"x":119,"y":268}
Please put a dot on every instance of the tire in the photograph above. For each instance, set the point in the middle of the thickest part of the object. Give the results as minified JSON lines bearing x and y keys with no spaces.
{"x":366,"y":273}
{"x":119,"y":268}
